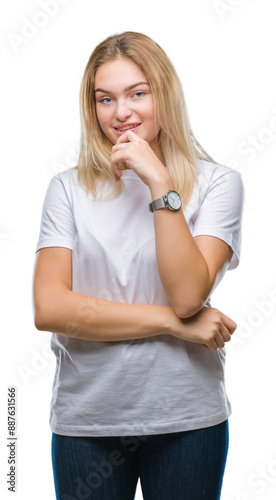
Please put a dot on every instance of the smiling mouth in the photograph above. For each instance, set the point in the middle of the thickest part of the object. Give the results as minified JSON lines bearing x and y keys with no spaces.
{"x":127,"y":127}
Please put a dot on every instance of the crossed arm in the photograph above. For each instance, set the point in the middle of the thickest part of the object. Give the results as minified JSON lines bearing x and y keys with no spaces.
{"x":189,"y":269}
{"x":59,"y":309}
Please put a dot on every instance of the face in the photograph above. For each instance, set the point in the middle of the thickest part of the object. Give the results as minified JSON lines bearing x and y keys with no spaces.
{"x":124,"y":101}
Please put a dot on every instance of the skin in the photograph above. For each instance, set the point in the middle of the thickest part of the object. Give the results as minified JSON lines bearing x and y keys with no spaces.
{"x":128,"y":100}
{"x":189,"y":267}
{"x":198,"y":263}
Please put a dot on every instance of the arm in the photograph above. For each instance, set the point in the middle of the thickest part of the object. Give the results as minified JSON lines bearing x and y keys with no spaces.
{"x":189,"y":267}
{"x":63,"y":311}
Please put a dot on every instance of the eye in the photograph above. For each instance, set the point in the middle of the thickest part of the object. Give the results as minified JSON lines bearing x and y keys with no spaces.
{"x":139,"y":94}
{"x":106,"y":100}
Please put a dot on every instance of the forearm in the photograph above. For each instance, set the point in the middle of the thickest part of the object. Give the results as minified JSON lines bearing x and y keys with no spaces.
{"x":188,"y":268}
{"x":90,"y":318}
{"x":182,"y":267}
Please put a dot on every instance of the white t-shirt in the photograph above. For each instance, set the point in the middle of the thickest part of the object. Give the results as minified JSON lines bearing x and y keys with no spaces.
{"x":156,"y":385}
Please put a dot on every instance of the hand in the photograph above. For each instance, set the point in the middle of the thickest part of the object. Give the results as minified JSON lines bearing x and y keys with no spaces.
{"x":209,"y":327}
{"x":137,"y":154}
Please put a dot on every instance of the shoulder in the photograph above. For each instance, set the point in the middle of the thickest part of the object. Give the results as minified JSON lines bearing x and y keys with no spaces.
{"x":66,"y":177}
{"x":65,"y":182}
{"x":212,"y":174}
{"x":209,"y":172}
{"x":62,"y":189}
{"x":218,"y":187}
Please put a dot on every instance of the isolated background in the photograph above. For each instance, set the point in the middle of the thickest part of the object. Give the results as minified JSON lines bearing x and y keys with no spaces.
{"x":224,"y":52}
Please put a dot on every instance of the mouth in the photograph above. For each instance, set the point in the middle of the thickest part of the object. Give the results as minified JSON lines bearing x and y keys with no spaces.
{"x":124,"y":128}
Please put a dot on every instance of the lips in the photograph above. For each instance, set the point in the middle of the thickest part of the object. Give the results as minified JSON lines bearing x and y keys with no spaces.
{"x":127,"y":127}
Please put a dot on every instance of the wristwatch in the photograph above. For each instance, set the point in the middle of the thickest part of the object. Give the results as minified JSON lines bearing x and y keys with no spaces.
{"x":171,"y":200}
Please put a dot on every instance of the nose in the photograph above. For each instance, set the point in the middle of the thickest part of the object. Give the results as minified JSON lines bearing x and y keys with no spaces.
{"x":123,"y":110}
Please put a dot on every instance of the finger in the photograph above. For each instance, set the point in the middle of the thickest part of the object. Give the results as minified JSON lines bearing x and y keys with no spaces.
{"x":225,"y":334}
{"x":205,"y":346}
{"x":220,"y":341}
{"x":117,"y":172}
{"x":229,"y":323}
{"x":118,"y":147}
{"x":212,"y":345}
{"x":117,"y":175}
{"x":120,"y":153}
{"x":128,"y":136}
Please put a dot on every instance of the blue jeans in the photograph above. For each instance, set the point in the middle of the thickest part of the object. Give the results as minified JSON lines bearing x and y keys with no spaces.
{"x":176,"y":466}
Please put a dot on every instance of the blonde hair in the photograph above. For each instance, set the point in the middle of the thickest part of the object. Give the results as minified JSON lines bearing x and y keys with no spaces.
{"x":177,"y":142}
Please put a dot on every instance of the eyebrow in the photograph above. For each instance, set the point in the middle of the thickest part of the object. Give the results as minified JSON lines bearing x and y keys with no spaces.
{"x":125,"y":90}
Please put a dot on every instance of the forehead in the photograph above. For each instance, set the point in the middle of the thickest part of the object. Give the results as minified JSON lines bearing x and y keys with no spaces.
{"x":119,"y":74}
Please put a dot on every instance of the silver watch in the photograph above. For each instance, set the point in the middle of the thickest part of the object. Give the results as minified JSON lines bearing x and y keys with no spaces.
{"x":171,"y":200}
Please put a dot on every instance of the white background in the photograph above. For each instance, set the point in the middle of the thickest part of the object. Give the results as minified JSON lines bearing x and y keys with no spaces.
{"x":224,"y":52}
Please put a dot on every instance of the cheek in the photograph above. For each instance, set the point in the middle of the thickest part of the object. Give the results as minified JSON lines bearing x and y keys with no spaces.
{"x":148,"y":109}
{"x":151,"y":119}
{"x":103,"y":117}
{"x":149,"y":113}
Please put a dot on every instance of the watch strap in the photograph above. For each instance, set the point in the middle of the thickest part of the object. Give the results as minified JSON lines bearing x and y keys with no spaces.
{"x":157,"y":204}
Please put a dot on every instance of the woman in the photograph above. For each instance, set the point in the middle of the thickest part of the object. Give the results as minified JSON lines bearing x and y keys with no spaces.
{"x":133,"y":242}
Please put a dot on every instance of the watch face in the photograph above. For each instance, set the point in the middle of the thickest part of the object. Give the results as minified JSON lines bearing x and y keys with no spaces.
{"x":174,"y":200}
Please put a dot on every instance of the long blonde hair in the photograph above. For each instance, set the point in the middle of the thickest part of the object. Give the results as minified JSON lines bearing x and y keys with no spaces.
{"x":177,"y":142}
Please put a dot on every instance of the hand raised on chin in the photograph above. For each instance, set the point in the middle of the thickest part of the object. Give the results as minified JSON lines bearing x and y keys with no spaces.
{"x":138,"y":155}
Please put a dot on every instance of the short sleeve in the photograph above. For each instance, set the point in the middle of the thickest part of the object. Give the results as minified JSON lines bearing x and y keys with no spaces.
{"x":57,"y":221}
{"x":220,"y":213}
